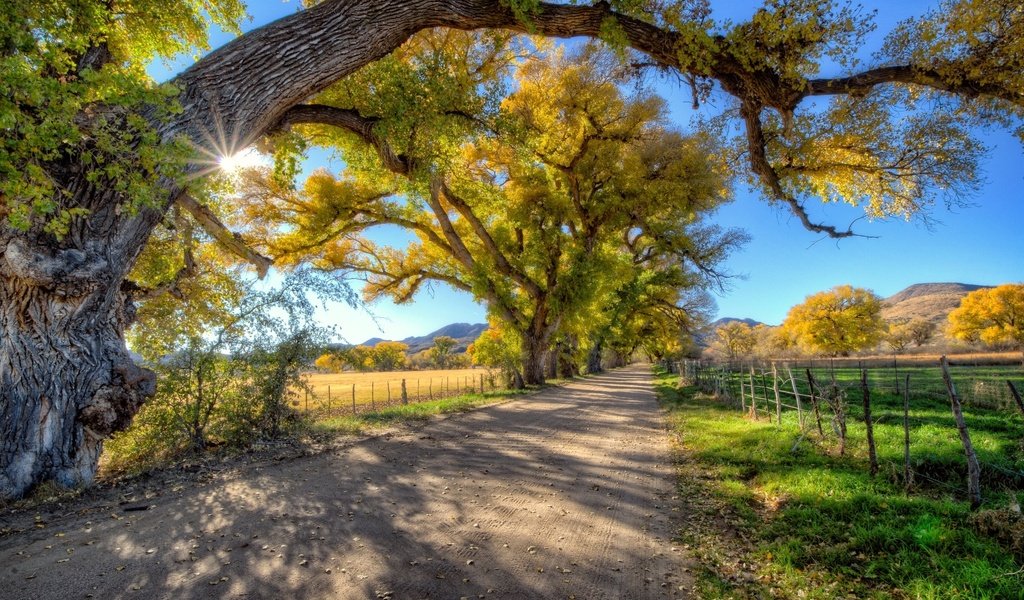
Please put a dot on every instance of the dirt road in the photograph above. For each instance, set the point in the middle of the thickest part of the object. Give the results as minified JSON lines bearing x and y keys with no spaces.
{"x":564,"y":494}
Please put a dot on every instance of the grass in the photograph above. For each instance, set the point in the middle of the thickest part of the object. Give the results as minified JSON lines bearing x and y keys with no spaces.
{"x":771,"y":521}
{"x":371,"y":388}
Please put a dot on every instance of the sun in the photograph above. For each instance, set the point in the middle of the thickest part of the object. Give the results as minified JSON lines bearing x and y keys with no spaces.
{"x":246,"y":159}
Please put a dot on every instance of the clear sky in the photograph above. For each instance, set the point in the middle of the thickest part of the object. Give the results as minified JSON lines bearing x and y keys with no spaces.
{"x":783,"y":263}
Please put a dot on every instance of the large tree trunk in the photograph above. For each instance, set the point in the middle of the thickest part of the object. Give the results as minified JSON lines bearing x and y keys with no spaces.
{"x":594,"y":358}
{"x":533,"y":360}
{"x":66,"y":379}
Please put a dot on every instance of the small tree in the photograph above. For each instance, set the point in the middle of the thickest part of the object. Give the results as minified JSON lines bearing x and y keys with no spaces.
{"x":499,"y":348}
{"x":329,"y":362}
{"x":388,"y":356}
{"x":837,"y":322}
{"x":441,"y":353}
{"x":921,"y":331}
{"x":898,"y":335}
{"x":993,"y":316}
{"x":734,"y":339}
{"x":357,"y":358}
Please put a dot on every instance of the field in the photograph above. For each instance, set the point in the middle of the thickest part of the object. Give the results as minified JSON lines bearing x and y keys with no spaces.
{"x":780,"y":513}
{"x":370,"y":390}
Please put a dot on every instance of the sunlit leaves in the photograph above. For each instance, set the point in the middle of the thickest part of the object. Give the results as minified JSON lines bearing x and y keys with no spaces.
{"x":994,"y":316}
{"x":836,"y":322}
{"x":72,"y":87}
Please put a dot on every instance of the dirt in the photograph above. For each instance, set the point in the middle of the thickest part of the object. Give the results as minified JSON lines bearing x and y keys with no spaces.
{"x":565,"y":494}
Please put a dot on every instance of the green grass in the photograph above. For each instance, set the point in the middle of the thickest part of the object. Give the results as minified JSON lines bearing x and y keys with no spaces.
{"x":816,"y":525}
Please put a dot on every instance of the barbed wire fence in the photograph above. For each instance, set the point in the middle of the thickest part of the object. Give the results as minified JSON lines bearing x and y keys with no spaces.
{"x":815,"y":398}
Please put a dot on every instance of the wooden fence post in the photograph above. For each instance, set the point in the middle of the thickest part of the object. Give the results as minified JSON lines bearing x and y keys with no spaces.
{"x":1016,"y":396}
{"x":353,"y":398}
{"x":908,"y":475}
{"x":405,"y":395}
{"x":388,"y":384}
{"x":373,"y":402}
{"x":872,"y":456}
{"x":796,"y":395}
{"x":778,"y":401}
{"x":973,"y":468}
{"x":328,"y":398}
{"x":764,"y":390}
{"x":753,"y":394}
{"x":814,"y":402}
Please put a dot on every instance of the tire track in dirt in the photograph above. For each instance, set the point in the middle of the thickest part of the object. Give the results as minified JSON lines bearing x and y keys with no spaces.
{"x":565,"y":494}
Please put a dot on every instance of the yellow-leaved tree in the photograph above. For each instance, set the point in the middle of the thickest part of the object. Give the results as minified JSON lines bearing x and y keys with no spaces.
{"x":734,"y":339}
{"x":993,"y":316}
{"x":837,"y":322}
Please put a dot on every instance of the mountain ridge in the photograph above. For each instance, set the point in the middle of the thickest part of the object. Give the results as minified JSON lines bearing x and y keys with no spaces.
{"x":464,"y":334}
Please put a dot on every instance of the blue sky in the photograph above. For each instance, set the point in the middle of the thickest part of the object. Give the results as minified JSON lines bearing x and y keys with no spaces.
{"x":783,"y":263}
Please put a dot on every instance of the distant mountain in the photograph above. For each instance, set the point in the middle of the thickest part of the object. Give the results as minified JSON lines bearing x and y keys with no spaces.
{"x":703,"y":337}
{"x":931,"y":301}
{"x":464,"y":333}
{"x":724,"y":320}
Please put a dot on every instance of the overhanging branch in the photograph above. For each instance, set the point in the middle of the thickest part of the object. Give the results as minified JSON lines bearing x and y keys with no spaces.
{"x":230,"y":240}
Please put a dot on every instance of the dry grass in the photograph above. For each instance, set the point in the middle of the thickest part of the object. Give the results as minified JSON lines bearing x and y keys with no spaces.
{"x":377,"y":388}
{"x":928,"y":359}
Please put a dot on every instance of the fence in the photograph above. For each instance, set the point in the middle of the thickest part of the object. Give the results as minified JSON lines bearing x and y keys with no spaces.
{"x":383,"y":390}
{"x":814,"y":398}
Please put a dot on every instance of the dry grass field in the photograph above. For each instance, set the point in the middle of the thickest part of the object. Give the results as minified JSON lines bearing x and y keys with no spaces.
{"x":341,"y":389}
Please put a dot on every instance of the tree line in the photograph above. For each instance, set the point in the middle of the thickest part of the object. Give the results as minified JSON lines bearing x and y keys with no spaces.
{"x":846,"y":320}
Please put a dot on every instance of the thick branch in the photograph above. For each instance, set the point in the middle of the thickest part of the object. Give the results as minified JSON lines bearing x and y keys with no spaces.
{"x":864,"y":82}
{"x":351,"y":120}
{"x":762,"y":168}
{"x":501,"y":261}
{"x":230,"y":240}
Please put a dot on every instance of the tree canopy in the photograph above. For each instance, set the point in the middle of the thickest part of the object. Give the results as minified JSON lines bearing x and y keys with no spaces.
{"x":994,"y":316}
{"x":837,"y":322}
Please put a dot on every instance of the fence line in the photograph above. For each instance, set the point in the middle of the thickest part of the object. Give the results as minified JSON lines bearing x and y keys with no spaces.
{"x":747,"y":388}
{"x":352,"y":399}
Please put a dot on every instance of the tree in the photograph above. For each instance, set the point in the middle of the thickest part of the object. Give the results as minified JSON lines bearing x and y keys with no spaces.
{"x":95,"y":154}
{"x":498,"y":348}
{"x":440,"y":352}
{"x":357,"y":358}
{"x":329,"y":362}
{"x":735,"y":339}
{"x":531,"y":219}
{"x":900,"y":333}
{"x":921,"y":331}
{"x":388,"y":356}
{"x":837,"y":322}
{"x":993,"y":316}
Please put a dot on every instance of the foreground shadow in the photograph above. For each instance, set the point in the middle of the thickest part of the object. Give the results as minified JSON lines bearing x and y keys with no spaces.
{"x":567,"y":493}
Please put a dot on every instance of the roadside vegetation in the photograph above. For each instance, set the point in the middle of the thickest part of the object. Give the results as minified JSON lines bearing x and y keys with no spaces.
{"x":774,"y":517}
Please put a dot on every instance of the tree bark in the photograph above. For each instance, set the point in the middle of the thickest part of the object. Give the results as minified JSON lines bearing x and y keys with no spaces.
{"x":594,"y":358}
{"x":533,"y":360}
{"x":66,"y":378}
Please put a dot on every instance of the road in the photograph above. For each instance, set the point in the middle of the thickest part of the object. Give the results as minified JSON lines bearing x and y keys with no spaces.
{"x":568,"y":493}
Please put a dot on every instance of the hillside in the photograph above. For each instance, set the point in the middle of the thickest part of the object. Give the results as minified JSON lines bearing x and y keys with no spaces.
{"x":464,"y":333}
{"x":931,"y":301}
{"x":724,"y":320}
